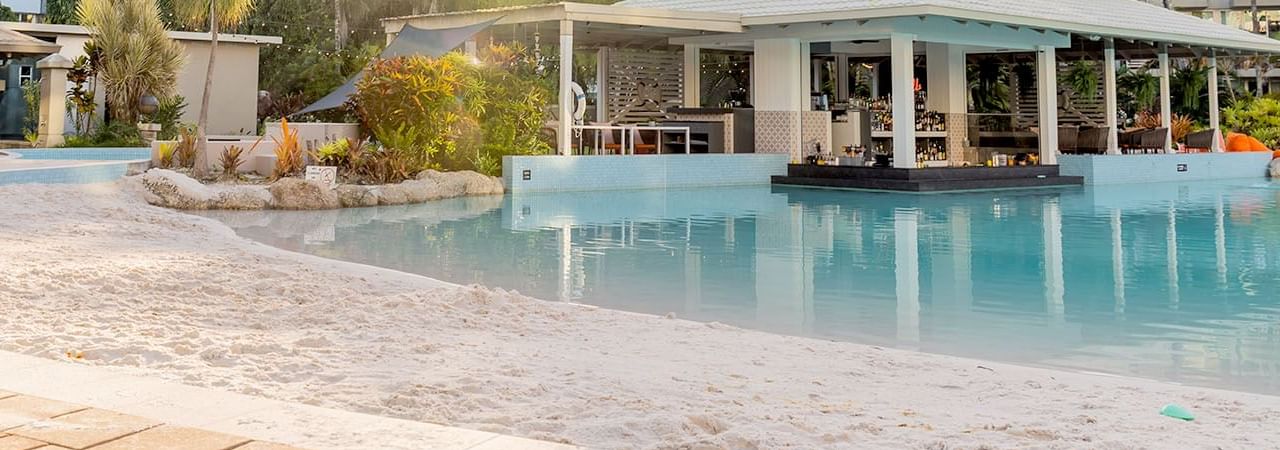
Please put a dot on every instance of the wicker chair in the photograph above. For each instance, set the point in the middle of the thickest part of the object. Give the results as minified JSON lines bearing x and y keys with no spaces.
{"x":1093,"y":140}
{"x":1200,"y":141}
{"x":1153,"y":140}
{"x":1068,"y":138}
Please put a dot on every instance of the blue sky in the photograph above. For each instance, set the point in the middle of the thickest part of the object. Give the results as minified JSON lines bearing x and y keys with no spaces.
{"x":22,"y":5}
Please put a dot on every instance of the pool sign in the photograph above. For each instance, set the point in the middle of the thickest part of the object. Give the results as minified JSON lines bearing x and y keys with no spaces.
{"x":1182,"y":167}
{"x":327,"y":175}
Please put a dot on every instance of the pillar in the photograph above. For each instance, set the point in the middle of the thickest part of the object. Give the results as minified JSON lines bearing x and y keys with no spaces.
{"x":1215,"y":109}
{"x":602,"y":85}
{"x":806,"y":76}
{"x":1166,"y":100}
{"x":902,"y":65}
{"x":53,"y":100}
{"x":1109,"y":93}
{"x":1047,"y":90}
{"x":566,"y":93}
{"x":779,"y":67}
{"x":692,"y":76}
{"x":948,"y":89}
{"x":842,"y":78}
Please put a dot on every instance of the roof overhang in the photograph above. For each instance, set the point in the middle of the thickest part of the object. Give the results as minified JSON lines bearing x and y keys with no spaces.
{"x":619,"y":16}
{"x":1170,"y":37}
{"x":77,"y":30}
{"x":15,"y":43}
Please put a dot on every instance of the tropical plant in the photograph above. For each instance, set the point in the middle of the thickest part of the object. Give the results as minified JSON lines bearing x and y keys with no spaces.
{"x":232,"y":158}
{"x":419,"y":105}
{"x":336,"y":153}
{"x":167,"y":115}
{"x":288,"y":152}
{"x":112,"y":134}
{"x":165,"y":152}
{"x":138,"y":57}
{"x":83,"y":93}
{"x":1141,"y":88}
{"x":1257,"y":117}
{"x":1188,"y":86}
{"x":1082,"y":78}
{"x":989,"y":86}
{"x":218,"y":14}
{"x":31,"y":119}
{"x":187,"y":146}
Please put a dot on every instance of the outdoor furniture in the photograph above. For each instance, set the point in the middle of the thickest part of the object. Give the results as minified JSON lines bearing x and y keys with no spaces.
{"x":1068,"y":136}
{"x":603,"y":137}
{"x":1200,"y":141}
{"x":1154,"y":140}
{"x":1093,"y":140}
{"x":642,"y":146}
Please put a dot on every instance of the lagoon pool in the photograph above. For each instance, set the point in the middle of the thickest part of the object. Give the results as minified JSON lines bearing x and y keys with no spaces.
{"x":1177,"y":282}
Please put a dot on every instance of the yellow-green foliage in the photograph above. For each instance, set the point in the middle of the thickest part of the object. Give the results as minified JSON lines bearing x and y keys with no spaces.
{"x":450,"y":113}
{"x":138,"y":57}
{"x":166,"y":151}
{"x":1257,"y":117}
{"x":336,"y":153}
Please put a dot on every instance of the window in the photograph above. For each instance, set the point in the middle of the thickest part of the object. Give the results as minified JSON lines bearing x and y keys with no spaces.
{"x":25,"y":74}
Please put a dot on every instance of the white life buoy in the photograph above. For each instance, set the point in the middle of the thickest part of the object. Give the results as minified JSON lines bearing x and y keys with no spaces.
{"x":579,"y":102}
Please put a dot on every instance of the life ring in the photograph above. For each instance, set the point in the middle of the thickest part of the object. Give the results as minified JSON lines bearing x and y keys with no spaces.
{"x":579,"y":102}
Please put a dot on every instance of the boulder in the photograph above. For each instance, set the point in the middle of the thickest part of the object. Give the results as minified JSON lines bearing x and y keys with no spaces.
{"x":354,"y":196}
{"x":1274,"y":168}
{"x":163,"y":187}
{"x":392,"y":194}
{"x":294,"y":193}
{"x":248,"y":197}
{"x":458,"y":184}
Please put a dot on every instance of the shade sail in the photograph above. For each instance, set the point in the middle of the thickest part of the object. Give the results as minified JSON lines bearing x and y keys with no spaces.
{"x":408,"y":42}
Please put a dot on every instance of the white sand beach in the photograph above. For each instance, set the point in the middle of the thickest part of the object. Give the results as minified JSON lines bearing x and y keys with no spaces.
{"x":95,"y":273}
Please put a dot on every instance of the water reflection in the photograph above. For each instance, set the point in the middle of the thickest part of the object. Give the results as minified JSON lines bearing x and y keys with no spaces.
{"x":1165,"y":281}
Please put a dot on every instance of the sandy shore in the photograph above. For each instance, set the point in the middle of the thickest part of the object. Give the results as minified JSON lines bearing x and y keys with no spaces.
{"x":94,"y":272}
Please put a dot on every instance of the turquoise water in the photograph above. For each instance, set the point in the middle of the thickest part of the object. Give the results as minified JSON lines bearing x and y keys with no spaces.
{"x":1173,"y":282}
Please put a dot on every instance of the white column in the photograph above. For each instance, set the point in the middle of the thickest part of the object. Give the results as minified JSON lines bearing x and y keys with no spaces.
{"x":1215,"y":109}
{"x":902,"y":61}
{"x":1047,"y":90}
{"x":1109,"y":94}
{"x":1166,"y":100}
{"x":842,"y":77}
{"x":779,"y":101}
{"x":602,"y":85}
{"x":806,"y":76}
{"x":692,"y":76}
{"x":948,"y":90}
{"x":566,"y":93}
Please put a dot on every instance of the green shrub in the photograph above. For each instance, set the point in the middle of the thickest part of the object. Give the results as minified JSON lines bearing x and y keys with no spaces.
{"x":114,"y":134}
{"x":168,"y":115}
{"x":31,"y":121}
{"x":1257,"y":117}
{"x":451,"y":114}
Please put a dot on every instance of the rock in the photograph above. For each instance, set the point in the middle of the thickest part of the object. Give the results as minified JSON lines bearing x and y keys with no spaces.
{"x":392,"y":194}
{"x":354,"y":196}
{"x":1274,"y":168}
{"x":294,"y":193}
{"x":174,"y":190}
{"x":457,"y":184}
{"x":419,"y":191}
{"x":241,"y":197}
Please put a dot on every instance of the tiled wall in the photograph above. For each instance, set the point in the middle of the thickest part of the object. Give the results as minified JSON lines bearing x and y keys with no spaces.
{"x":815,"y":128}
{"x":94,"y":154}
{"x":592,"y":173}
{"x":1122,"y":169}
{"x":778,"y":132}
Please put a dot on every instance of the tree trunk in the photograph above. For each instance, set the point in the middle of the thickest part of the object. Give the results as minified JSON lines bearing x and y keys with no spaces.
{"x":202,"y":125}
{"x":340,"y":31}
{"x":1253,"y":8}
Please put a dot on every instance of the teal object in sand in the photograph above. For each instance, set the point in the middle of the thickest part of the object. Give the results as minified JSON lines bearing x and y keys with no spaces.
{"x":1177,"y":412}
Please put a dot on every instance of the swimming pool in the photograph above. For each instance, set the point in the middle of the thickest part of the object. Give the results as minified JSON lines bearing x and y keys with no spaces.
{"x":71,"y":165}
{"x":1177,"y":282}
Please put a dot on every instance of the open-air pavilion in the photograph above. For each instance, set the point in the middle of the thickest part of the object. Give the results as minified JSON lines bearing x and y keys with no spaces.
{"x":829,"y":81}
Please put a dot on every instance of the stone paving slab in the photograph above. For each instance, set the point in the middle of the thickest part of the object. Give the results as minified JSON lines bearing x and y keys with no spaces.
{"x":58,"y":394}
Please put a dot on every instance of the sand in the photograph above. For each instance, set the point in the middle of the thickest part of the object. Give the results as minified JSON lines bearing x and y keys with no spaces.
{"x":95,"y":270}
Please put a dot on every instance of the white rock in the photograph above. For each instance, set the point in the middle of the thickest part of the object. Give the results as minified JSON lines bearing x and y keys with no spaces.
{"x":247,"y":197}
{"x":174,"y":190}
{"x":1274,"y":168}
{"x":353,"y":196}
{"x":294,"y":193}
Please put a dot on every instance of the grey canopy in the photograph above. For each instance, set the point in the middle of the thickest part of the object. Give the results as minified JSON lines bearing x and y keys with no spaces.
{"x":408,"y":42}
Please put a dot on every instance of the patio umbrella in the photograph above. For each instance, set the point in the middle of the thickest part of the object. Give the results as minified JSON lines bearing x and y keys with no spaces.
{"x":408,"y":42}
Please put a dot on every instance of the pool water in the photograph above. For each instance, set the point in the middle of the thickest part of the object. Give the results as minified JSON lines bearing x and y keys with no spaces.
{"x":1177,"y":282}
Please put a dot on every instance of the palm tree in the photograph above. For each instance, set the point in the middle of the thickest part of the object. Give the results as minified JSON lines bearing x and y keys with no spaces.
{"x":137,"y":55}
{"x":219,"y":13}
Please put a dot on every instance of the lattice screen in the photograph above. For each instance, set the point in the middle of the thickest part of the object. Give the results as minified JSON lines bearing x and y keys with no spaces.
{"x":642,"y":84}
